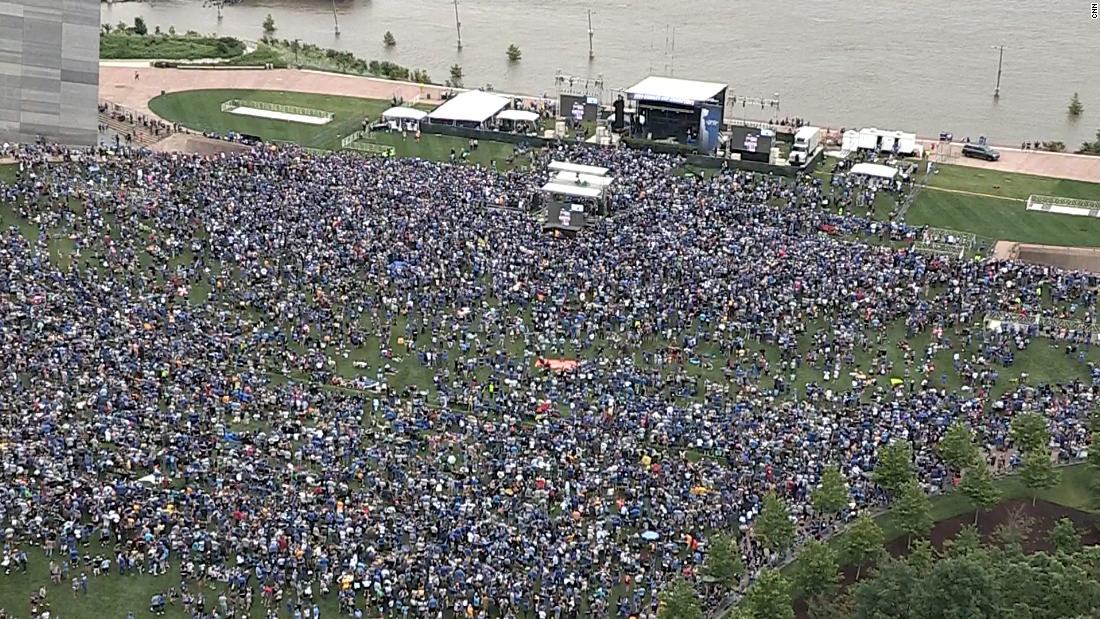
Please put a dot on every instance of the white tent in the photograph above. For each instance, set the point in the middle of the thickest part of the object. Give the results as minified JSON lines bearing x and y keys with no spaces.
{"x":573,"y":190}
{"x":572,"y":178}
{"x":472,"y":106}
{"x":518,"y":115}
{"x":875,"y":169}
{"x":565,"y":166}
{"x":671,"y":90}
{"x":404,"y":113}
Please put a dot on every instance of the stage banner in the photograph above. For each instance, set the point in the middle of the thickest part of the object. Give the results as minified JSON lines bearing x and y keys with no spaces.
{"x":710,"y":124}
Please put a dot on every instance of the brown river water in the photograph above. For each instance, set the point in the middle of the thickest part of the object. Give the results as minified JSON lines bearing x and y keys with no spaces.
{"x":919,"y":65}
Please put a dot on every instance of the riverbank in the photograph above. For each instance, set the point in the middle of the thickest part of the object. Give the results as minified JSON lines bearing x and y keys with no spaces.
{"x":132,"y":85}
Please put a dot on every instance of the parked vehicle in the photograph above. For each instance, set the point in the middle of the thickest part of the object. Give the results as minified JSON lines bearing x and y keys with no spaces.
{"x":806,"y":140}
{"x":980,"y":151}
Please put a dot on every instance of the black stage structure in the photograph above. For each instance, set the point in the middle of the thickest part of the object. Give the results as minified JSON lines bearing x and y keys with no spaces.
{"x":684,"y":111}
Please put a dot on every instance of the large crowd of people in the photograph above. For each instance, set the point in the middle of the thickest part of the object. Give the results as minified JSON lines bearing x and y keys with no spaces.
{"x":294,"y":379}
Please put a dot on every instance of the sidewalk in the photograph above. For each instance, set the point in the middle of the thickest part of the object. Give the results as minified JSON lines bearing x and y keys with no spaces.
{"x":1040,"y":163}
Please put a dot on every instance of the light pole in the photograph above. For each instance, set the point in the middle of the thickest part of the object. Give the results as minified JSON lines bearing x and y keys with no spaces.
{"x":458,"y":27}
{"x":1000,"y":61}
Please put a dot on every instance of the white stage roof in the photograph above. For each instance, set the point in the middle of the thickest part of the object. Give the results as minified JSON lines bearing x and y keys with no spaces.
{"x":572,"y":178}
{"x":875,"y":169}
{"x":470,"y":106}
{"x":671,"y":90}
{"x":404,"y":112}
{"x":518,"y":115}
{"x":573,"y":190}
{"x":564,"y":166}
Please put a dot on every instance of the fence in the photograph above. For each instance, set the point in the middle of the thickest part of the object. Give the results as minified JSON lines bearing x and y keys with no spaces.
{"x":1064,"y":206}
{"x":1054,"y":328}
{"x":233,"y":104}
{"x":372,"y":148}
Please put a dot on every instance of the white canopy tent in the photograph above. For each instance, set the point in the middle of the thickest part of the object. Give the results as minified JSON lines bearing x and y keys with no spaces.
{"x":518,"y":116}
{"x":577,"y":168}
{"x":470,"y":107}
{"x":404,"y":113}
{"x":575,"y":191}
{"x":573,"y":178}
{"x":875,"y":169}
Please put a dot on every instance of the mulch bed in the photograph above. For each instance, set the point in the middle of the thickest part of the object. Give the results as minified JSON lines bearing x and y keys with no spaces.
{"x":1043,"y":517}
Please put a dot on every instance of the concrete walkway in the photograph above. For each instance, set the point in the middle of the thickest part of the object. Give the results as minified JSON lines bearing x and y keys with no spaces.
{"x":1056,"y":165}
{"x":133,"y":87}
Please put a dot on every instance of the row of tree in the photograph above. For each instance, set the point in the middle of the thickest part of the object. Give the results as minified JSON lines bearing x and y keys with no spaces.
{"x":816,"y":572}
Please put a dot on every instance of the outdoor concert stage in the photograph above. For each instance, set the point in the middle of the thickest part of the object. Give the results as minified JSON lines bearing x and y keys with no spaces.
{"x":685,"y":111}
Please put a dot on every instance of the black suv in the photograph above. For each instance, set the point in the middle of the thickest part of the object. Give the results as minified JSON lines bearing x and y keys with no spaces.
{"x":979,"y":151}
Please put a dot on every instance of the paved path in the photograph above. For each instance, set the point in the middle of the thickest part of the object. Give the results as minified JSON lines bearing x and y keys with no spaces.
{"x":1057,"y":165}
{"x":973,"y":193}
{"x":118,"y":84}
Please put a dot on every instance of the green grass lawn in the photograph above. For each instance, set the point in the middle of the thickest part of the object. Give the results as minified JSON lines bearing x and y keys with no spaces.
{"x":201,"y":110}
{"x":1000,"y":211}
{"x":113,"y":596}
{"x":118,"y":45}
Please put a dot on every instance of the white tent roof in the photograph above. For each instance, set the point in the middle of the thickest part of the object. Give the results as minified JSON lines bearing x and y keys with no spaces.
{"x":470,"y":106}
{"x":518,"y":115}
{"x":573,"y":190}
{"x":565,"y":166}
{"x":572,"y":178}
{"x":875,"y":169}
{"x":404,"y":112}
{"x":671,"y":90}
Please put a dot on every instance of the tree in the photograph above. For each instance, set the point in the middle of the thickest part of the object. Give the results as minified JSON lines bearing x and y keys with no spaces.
{"x":1093,"y":457}
{"x":680,"y":602}
{"x":958,"y":587}
{"x":1065,"y":538}
{"x":1037,"y":472}
{"x":965,"y":541}
{"x":816,"y":571}
{"x":1015,"y":530}
{"x":831,"y":607}
{"x":269,"y":25}
{"x":456,"y":75}
{"x":107,"y":28}
{"x":957,"y":447}
{"x":724,"y":563}
{"x":140,"y":28}
{"x":864,"y":542}
{"x":768,"y":598}
{"x":514,"y":53}
{"x":894,"y":467}
{"x":921,"y":556}
{"x":1091,"y":148}
{"x":388,"y":40}
{"x":1029,"y":432}
{"x":889,"y":593}
{"x":1075,"y":106}
{"x":977,"y":485}
{"x":831,"y":497}
{"x":774,"y":526}
{"x":913,"y":511}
